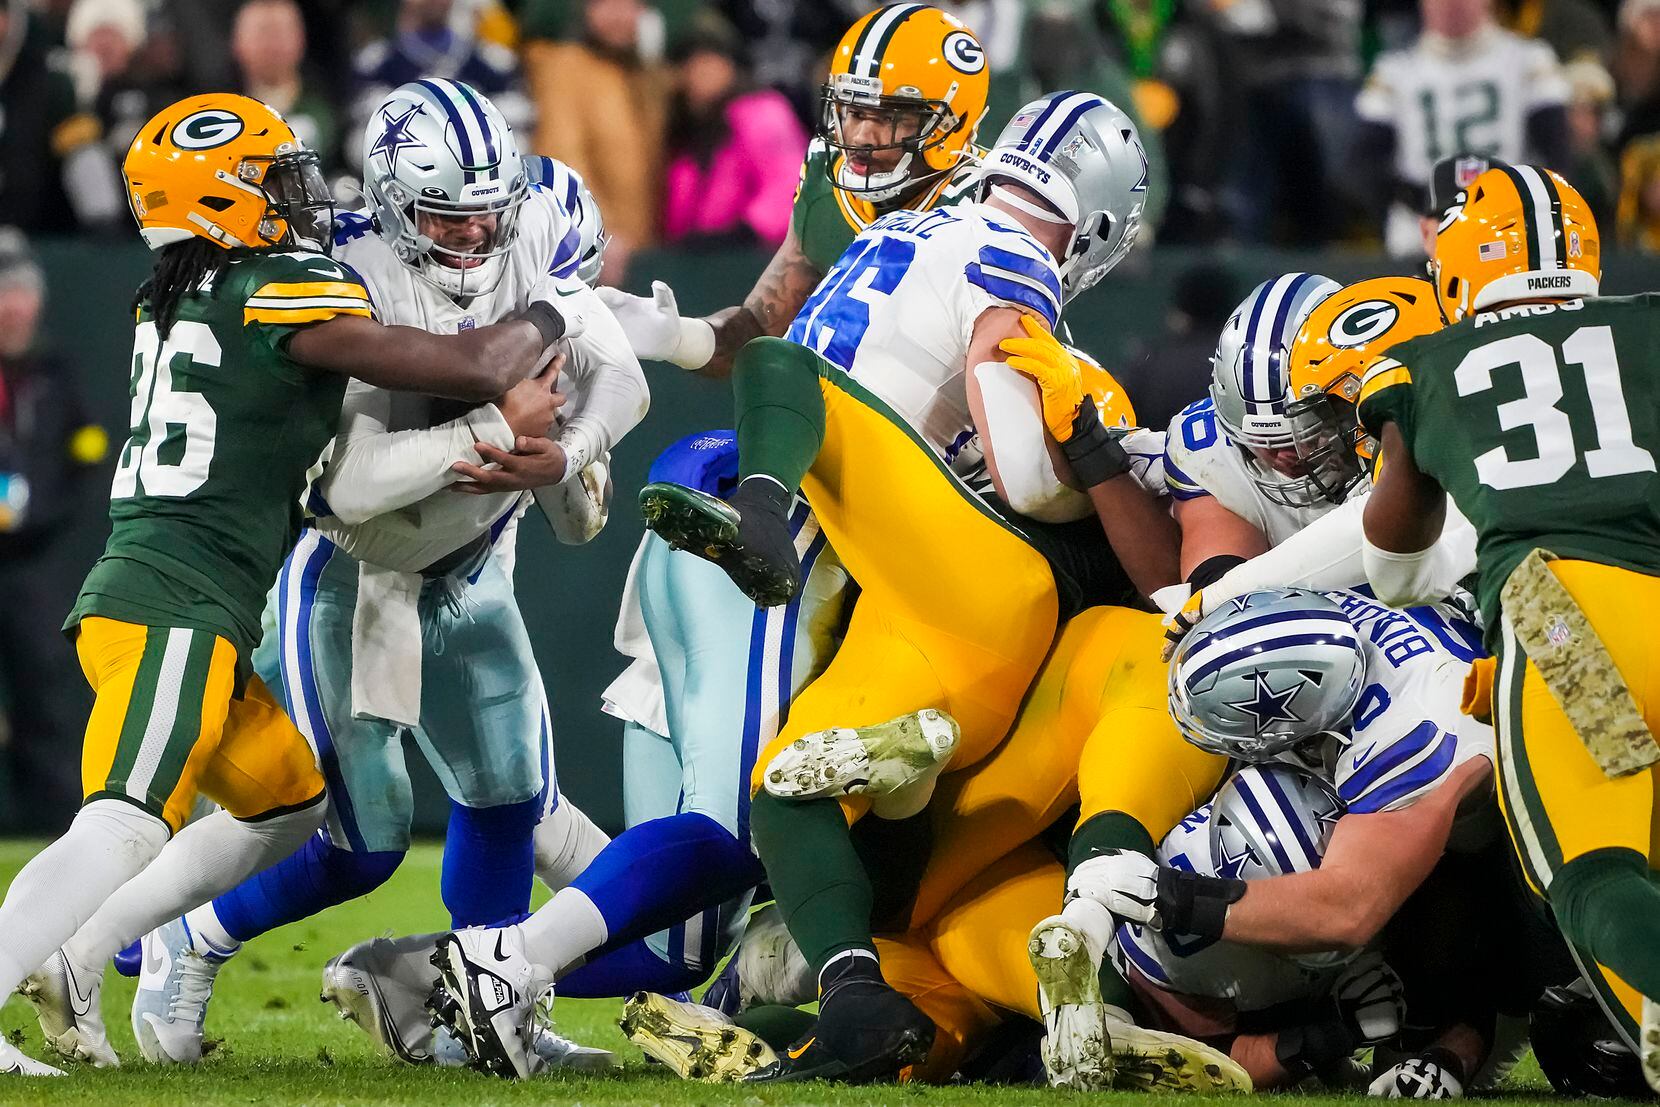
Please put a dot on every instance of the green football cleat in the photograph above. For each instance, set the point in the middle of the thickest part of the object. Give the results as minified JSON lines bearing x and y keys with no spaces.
{"x":754,"y":546}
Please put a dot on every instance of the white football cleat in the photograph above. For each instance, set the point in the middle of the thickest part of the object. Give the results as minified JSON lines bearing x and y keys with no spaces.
{"x":896,"y":761}
{"x":175,"y":983}
{"x":486,"y":995}
{"x":1159,"y":1061}
{"x":1650,"y":1043}
{"x":66,"y":1000}
{"x":695,"y":1042}
{"x":14,"y":1062}
{"x":1077,"y":1050}
{"x":382,"y":985}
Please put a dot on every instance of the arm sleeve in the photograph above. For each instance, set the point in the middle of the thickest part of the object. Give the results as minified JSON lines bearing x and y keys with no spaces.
{"x":611,"y":392}
{"x":374,"y":470}
{"x":1015,"y":443}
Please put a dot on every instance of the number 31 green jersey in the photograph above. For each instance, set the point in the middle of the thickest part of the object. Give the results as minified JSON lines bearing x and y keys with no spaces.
{"x":225,"y":425}
{"x":1542,"y":422}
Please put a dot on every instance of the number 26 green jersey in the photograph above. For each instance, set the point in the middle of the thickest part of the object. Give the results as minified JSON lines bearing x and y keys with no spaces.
{"x":1542,"y":422}
{"x":225,"y":425}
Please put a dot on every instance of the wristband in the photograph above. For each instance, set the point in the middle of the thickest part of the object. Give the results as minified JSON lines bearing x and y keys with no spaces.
{"x":1092,"y":451}
{"x":547,"y":321}
{"x":1194,"y":904}
{"x":580,"y":450}
{"x":696,"y":344}
{"x":1212,"y":569}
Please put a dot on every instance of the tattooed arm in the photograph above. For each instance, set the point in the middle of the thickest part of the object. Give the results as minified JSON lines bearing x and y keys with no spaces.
{"x":769,"y":308}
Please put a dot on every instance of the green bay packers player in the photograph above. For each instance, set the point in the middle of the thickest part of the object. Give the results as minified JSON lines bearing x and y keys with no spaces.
{"x":245,"y":335}
{"x":1538,"y":413}
{"x":906,"y":90}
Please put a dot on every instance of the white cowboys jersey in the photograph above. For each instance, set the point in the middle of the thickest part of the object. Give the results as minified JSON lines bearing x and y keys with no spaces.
{"x":1467,"y":98}
{"x":897,"y":309}
{"x":1408,"y":733}
{"x":1249,"y":977}
{"x":547,"y":242}
{"x":1201,"y":460}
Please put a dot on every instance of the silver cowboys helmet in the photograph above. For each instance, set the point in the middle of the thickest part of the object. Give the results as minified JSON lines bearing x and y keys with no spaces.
{"x":1082,"y":155}
{"x":1266,"y":673}
{"x":436,"y":147}
{"x":1250,"y":377}
{"x":584,"y":245}
{"x":1273,"y":820}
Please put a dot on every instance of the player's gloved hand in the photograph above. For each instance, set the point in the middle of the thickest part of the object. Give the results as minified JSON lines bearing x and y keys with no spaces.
{"x":1418,"y":1078}
{"x":655,"y":328}
{"x":570,"y":303}
{"x":1178,"y":623}
{"x":1371,"y":999}
{"x":1051,"y":365}
{"x":1145,"y":450}
{"x":1124,"y":882}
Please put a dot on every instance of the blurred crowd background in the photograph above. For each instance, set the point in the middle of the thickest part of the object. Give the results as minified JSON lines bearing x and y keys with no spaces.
{"x":1285,"y":122}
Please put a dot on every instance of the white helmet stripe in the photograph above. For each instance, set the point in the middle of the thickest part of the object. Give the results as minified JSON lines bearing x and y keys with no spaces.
{"x":868,"y":62}
{"x":1539,"y":198}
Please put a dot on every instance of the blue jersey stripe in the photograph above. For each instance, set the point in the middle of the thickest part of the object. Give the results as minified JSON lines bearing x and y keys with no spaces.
{"x":1371,"y":789}
{"x":1141,"y":959}
{"x":1014,"y":292}
{"x":567,"y":255}
{"x":993,"y":258}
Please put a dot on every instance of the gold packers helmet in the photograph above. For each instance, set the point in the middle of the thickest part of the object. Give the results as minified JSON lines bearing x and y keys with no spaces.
{"x":907,"y":85}
{"x":1103,"y":388}
{"x":228,"y":169}
{"x":1519,"y":232}
{"x":1344,"y":335}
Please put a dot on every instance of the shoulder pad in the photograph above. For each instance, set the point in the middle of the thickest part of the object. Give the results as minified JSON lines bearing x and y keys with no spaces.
{"x":1387,"y":773}
{"x":1013,"y":267}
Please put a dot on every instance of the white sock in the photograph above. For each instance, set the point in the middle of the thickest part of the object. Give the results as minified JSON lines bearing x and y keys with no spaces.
{"x":566,"y":842}
{"x":1094,"y":920}
{"x":566,"y":929}
{"x":108,"y":843}
{"x":209,"y":856}
{"x":208,"y":934}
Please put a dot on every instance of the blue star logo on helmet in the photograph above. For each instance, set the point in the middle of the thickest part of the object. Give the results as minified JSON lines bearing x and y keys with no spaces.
{"x":1229,"y":866}
{"x":1270,"y":706}
{"x":396,"y":137}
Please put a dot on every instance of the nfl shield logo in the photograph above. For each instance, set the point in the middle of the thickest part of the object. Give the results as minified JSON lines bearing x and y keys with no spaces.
{"x":467,"y":323}
{"x":1558,"y":634}
{"x":1468,"y":169}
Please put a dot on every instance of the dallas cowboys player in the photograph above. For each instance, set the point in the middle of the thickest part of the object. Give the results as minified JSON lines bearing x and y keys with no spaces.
{"x":1267,"y":821}
{"x":395,"y":611}
{"x":1368,"y":697}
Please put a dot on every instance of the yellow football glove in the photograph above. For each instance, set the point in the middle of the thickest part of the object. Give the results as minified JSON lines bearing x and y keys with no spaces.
{"x":1178,"y":624}
{"x":1059,"y":378}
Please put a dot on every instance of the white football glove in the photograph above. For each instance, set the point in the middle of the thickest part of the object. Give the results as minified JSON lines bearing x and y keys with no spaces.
{"x":1124,"y":882}
{"x":1418,"y":1078}
{"x":656,"y":330}
{"x":1146,"y":450}
{"x":1371,"y":999}
{"x":574,"y":301}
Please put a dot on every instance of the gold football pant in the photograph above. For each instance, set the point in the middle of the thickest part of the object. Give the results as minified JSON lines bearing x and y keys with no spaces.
{"x":166,"y":725}
{"x":1096,"y":717}
{"x":1559,"y":805}
{"x":956,"y":608}
{"x":969,"y":966}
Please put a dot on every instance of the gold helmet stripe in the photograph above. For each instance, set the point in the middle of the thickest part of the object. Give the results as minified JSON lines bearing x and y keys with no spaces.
{"x":873,"y":44}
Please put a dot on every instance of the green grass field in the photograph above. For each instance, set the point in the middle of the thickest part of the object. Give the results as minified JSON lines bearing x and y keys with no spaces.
{"x":277,"y":1044}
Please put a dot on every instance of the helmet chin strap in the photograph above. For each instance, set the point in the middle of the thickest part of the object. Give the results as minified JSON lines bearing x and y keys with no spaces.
{"x":1021,"y":204}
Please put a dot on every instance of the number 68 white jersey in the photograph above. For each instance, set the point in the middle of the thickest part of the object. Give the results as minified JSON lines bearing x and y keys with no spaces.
{"x":897,"y":310}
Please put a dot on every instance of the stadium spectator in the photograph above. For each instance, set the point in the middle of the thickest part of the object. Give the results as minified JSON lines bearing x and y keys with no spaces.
{"x":1639,"y":211}
{"x":789,"y":41}
{"x":425,"y":43}
{"x":1466,"y":85}
{"x":268,"y":42}
{"x":1575,"y":29}
{"x":122,"y":71}
{"x":734,"y":151}
{"x":55,"y":175}
{"x":1637,"y":69}
{"x":1298,"y":65}
{"x":1590,"y":168}
{"x":602,"y":105}
{"x":47,"y":450}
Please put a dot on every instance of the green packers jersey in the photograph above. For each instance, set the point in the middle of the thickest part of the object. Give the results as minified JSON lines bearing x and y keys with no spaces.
{"x":826,"y":219}
{"x":1542,"y":422}
{"x":206,"y":499}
